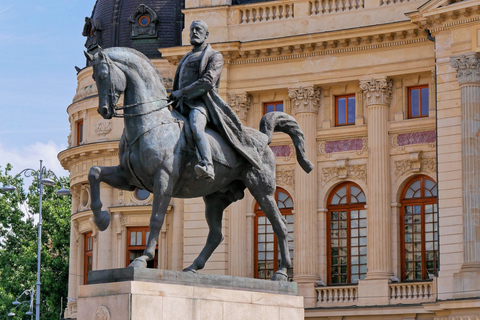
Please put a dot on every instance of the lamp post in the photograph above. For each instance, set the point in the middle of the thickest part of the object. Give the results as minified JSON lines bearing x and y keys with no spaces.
{"x":43,"y":176}
{"x":16,"y":303}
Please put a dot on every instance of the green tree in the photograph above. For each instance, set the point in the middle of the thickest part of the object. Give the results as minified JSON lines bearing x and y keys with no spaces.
{"x":18,"y":245}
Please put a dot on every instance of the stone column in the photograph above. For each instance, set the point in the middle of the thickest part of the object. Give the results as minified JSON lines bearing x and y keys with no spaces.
{"x":305,"y":104}
{"x":377,"y":96}
{"x":240,"y":103}
{"x":468,"y":75}
{"x":177,"y":234}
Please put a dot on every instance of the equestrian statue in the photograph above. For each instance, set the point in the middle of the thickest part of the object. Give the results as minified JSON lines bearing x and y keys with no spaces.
{"x":188,"y":145}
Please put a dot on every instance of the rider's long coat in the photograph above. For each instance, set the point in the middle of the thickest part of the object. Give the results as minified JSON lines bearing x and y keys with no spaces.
{"x":224,"y":120}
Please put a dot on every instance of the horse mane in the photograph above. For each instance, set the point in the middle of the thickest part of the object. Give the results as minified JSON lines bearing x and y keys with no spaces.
{"x":123,"y":55}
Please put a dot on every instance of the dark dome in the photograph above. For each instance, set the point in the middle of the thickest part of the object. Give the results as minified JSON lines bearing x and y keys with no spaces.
{"x":145,"y":25}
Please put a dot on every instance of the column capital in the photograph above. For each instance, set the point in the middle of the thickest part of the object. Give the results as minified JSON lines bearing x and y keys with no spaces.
{"x":377,"y":91}
{"x":305,"y":99}
{"x":467,"y":67}
{"x":240,"y":103}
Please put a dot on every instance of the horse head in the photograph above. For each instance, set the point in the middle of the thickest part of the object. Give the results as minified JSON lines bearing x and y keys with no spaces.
{"x":111,"y":82}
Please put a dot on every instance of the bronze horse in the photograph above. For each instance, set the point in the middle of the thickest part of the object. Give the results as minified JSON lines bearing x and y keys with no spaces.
{"x":156,"y":155}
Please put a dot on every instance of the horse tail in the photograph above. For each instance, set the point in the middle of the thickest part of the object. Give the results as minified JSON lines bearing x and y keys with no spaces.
{"x":279,"y":121}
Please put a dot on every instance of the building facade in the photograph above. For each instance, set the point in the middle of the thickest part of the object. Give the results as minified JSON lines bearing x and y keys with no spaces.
{"x":387,"y":93}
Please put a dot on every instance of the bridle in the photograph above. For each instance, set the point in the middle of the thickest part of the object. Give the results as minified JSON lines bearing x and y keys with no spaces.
{"x":113,"y":94}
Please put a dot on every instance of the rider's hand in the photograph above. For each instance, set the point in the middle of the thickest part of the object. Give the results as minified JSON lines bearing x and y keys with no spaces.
{"x":176,"y":95}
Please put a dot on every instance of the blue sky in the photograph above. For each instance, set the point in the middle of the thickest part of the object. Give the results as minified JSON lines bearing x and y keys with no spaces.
{"x":40,"y":43}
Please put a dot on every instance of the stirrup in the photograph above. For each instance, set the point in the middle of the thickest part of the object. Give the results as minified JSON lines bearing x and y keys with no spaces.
{"x":204,"y":170}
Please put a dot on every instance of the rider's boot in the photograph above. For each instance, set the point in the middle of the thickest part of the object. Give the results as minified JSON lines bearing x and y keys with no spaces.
{"x":204,"y":170}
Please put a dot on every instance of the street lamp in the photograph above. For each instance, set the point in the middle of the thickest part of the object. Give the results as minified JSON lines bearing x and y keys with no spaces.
{"x":16,"y":303}
{"x":44,"y":178}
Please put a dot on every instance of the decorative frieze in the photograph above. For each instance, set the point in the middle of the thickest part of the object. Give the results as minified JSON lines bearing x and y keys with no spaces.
{"x":328,"y":147}
{"x":402,"y":140}
{"x":102,"y":128}
{"x":305,"y":99}
{"x":462,"y":317}
{"x":240,"y":103}
{"x":467,"y":67}
{"x":343,"y":170}
{"x":85,"y":92}
{"x":377,"y":91}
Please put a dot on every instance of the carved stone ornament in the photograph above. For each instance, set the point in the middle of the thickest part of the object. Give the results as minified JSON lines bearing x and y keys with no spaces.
{"x":240,"y":103}
{"x":102,"y":128}
{"x":85,"y":92}
{"x":415,"y":164}
{"x":343,"y":170}
{"x":327,"y":148}
{"x":305,"y":99}
{"x":377,"y":91}
{"x":467,"y":67}
{"x":102,"y":313}
{"x":144,"y":22}
{"x":286,"y":177}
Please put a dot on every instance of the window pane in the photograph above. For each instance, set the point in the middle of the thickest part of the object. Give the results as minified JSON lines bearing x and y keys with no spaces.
{"x":139,"y":238}
{"x":133,"y":238}
{"x":351,"y":110}
{"x":341,"y":110}
{"x":270,"y":107}
{"x":279,"y":107}
{"x":414,"y":99}
{"x":424,"y":101}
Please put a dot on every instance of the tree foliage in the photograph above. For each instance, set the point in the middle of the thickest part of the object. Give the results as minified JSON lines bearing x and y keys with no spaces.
{"x":18,"y":246}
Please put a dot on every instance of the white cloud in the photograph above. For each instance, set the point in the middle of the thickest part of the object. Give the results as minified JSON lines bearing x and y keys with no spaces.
{"x":29,"y":156}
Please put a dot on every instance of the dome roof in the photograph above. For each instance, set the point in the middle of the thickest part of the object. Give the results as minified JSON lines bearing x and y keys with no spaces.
{"x":145,"y":25}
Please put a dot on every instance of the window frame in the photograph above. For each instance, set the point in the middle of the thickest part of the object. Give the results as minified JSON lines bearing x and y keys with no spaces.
{"x":419,"y":87}
{"x":86,"y":254}
{"x":275,"y":103}
{"x":418,"y":201}
{"x":259,"y":213}
{"x":346,"y":96}
{"x":144,"y":231}
{"x":79,"y":132}
{"x":348,"y":207}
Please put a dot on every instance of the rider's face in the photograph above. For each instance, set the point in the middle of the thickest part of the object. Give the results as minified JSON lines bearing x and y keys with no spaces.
{"x":198,"y":33}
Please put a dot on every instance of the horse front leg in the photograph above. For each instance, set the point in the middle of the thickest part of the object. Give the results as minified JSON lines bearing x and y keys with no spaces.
{"x":214,"y":206}
{"x":114,"y":177}
{"x":159,"y":209}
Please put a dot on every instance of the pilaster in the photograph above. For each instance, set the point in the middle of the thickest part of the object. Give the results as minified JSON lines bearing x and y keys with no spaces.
{"x":238,"y":239}
{"x":377,"y":96}
{"x":468,"y":75}
{"x":305,"y":104}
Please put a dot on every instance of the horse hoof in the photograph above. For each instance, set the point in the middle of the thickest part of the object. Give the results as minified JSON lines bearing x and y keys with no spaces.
{"x":138,"y":263}
{"x":102,"y":220}
{"x":189,"y":270}
{"x":279,"y":276}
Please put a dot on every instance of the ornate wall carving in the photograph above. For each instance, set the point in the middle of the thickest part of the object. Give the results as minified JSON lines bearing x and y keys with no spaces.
{"x":102,"y":313}
{"x":415,"y":164}
{"x":305,"y":99}
{"x":462,"y":317}
{"x":93,"y":31}
{"x":343,"y":170}
{"x":85,"y":92}
{"x":377,"y":91}
{"x":240,"y":103}
{"x":144,"y":23}
{"x":102,"y":128}
{"x":286,"y":176}
{"x":467,"y":67}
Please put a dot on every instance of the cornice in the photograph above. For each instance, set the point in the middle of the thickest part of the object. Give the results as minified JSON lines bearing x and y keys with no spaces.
{"x":310,"y":45}
{"x":444,"y":18}
{"x":87,"y":151}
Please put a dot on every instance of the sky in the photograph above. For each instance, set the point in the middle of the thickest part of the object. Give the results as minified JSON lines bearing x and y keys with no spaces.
{"x":41,"y":42}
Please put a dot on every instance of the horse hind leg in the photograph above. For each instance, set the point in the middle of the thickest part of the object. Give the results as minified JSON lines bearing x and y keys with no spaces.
{"x":263,"y":191}
{"x":113,"y":176}
{"x":214,"y":206}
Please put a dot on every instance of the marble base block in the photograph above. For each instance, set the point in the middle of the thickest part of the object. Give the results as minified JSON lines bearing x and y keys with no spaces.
{"x":134,"y":294}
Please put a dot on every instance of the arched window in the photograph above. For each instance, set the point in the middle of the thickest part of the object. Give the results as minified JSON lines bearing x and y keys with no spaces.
{"x":346,"y":234}
{"x":419,"y":230}
{"x":266,"y":244}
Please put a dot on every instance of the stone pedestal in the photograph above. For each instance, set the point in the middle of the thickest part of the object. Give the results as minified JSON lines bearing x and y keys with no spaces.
{"x":131,"y":293}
